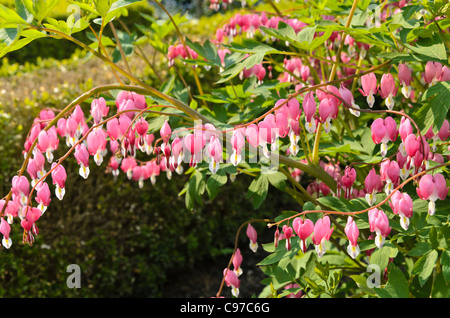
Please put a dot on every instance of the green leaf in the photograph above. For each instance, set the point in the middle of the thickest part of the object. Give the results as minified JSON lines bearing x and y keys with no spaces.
{"x":424,"y":266}
{"x":433,"y":237}
{"x":23,"y":12}
{"x":236,"y":68}
{"x":27,"y":37}
{"x":88,"y":7}
{"x":258,"y":190}
{"x":445,"y":262}
{"x":214,"y":183}
{"x":380,"y":257}
{"x":275,"y":257}
{"x":397,"y":285}
{"x":277,"y":179}
{"x":251,"y":46}
{"x":432,"y":47}
{"x":155,"y":124}
{"x":9,"y":35}
{"x":109,"y":13}
{"x":10,"y":17}
{"x":306,"y":36}
{"x":435,"y":108}
{"x":322,"y":271}
{"x":43,"y":8}
{"x":440,"y":287}
{"x":196,"y":188}
{"x":420,"y":249}
{"x":284,"y":32}
{"x":361,"y":282}
{"x":208,"y":51}
{"x":121,"y":4}
{"x":334,"y":203}
{"x":318,"y":41}
{"x":399,"y":20}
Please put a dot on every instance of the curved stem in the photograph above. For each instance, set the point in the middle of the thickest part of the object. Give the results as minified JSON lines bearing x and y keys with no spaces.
{"x":197,"y":81}
{"x":64,"y":112}
{"x":235,"y":248}
{"x":368,"y":209}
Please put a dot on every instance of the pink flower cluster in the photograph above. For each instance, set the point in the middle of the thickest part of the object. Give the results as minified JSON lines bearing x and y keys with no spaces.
{"x":251,"y":22}
{"x":182,"y":51}
{"x":122,"y":134}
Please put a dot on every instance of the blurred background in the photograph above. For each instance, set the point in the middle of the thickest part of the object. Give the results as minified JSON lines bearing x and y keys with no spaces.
{"x":128,"y":242}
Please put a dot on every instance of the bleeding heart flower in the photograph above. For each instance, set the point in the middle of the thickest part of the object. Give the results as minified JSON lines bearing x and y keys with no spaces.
{"x":322,"y":233}
{"x":369,"y":87}
{"x":287,"y":230}
{"x":43,"y":196}
{"x":347,"y":96}
{"x":82,"y":156}
{"x":215,"y":154}
{"x":5,"y":229}
{"x":232,"y":280}
{"x":352,"y":232}
{"x":433,"y":71}
{"x":383,"y":131}
{"x":432,"y":187}
{"x":379,"y":223}
{"x":388,"y":90}
{"x":402,"y":205}
{"x":390,"y":173}
{"x":348,"y":179}
{"x":404,"y":77}
{"x":237,"y":261}
{"x":253,"y":236}
{"x":373,"y":184}
{"x":309,"y":107}
{"x":304,"y":229}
